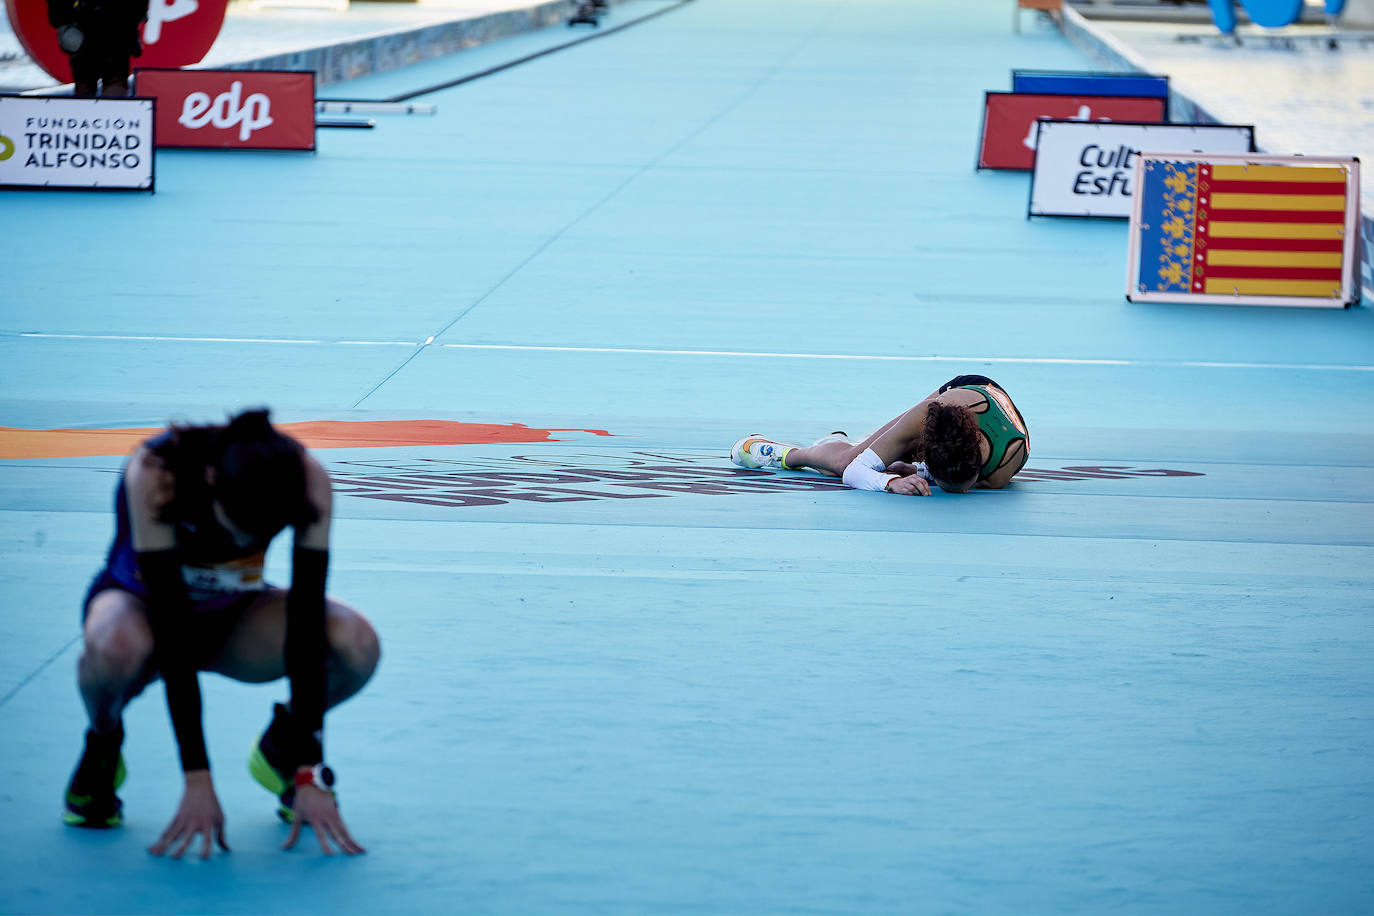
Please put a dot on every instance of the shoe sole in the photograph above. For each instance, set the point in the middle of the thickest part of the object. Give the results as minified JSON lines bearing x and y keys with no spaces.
{"x":72,"y":819}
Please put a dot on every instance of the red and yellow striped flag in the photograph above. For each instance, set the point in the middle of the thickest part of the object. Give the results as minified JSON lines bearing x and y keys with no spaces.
{"x":1269,"y":230}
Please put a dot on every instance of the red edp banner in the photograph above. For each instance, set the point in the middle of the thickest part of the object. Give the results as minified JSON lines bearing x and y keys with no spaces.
{"x":177,"y":33}
{"x":231,"y":109}
{"x":1009,"y":128}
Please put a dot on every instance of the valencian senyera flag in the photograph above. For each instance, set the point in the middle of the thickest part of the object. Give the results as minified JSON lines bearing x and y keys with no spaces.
{"x":1244,"y":229}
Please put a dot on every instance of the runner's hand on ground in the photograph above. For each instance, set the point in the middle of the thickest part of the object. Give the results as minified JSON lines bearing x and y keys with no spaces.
{"x":910,"y":485}
{"x":318,"y":808}
{"x":198,"y":815}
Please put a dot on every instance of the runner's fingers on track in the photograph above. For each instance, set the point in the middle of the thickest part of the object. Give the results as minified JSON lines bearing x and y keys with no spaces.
{"x":303,"y":811}
{"x":176,"y":830}
{"x":186,"y":830}
{"x":328,"y":824}
{"x":186,"y":839}
{"x":340,"y":834}
{"x":206,"y":831}
{"x":294,"y":835}
{"x":324,"y":843}
{"x":911,"y":485}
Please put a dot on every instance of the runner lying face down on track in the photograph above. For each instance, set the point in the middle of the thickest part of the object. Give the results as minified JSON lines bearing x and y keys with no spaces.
{"x":182,"y":591}
{"x":967,"y":433}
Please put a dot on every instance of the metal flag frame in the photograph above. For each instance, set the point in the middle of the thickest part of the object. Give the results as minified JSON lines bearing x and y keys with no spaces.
{"x":1342,"y":296}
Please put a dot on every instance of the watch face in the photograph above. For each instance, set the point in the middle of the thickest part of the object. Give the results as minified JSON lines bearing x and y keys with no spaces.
{"x":326,"y":776}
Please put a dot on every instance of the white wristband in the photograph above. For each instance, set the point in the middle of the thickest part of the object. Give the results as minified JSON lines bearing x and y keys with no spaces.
{"x":863,"y":472}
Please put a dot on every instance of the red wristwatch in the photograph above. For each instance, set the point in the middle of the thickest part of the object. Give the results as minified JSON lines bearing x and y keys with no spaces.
{"x":319,"y":776}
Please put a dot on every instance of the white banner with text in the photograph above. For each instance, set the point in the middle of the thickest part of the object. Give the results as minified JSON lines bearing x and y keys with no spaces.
{"x":61,"y":142}
{"x":1086,"y":168}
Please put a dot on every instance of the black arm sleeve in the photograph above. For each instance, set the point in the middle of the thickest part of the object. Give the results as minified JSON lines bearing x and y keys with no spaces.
{"x":169,"y":613}
{"x":306,"y":648}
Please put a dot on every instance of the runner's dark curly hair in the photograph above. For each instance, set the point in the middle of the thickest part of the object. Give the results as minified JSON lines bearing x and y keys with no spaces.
{"x":259,"y":474}
{"x":950,"y":448}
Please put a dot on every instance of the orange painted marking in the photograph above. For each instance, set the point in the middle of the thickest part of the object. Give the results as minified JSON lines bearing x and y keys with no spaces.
{"x":84,"y":443}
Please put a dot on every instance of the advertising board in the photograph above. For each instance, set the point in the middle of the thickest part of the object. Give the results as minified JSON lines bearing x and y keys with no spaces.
{"x":232,"y":109}
{"x":1086,"y":168}
{"x":1009,"y":128}
{"x":1067,"y":82}
{"x":58,"y":142}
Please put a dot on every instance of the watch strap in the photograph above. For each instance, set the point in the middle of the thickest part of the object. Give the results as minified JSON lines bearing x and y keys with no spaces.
{"x":319,"y":776}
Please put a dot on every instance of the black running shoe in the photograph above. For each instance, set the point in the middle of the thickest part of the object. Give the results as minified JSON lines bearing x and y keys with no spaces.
{"x":270,"y":761}
{"x":91,"y":799}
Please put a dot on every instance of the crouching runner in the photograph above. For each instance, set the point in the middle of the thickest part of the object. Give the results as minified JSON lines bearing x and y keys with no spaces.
{"x":182,"y":591}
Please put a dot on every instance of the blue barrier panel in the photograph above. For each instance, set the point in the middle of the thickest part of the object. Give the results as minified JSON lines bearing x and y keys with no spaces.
{"x":1135,"y":85}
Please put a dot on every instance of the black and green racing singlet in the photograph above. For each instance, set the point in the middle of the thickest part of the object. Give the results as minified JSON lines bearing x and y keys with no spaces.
{"x":1002,"y":433}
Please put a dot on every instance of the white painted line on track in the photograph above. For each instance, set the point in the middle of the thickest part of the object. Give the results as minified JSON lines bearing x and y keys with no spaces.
{"x":253,"y":340}
{"x":746,"y":354}
{"x":763,"y":355}
{"x":1020,"y":360}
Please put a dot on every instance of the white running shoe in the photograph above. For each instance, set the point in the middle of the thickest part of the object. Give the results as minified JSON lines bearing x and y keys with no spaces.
{"x":836,"y":436}
{"x":757,"y":452}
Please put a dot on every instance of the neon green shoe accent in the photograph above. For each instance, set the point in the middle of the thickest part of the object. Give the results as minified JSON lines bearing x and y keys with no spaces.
{"x":270,"y":779}
{"x":75,"y":802}
{"x":783,"y":459}
{"x":266,"y":774}
{"x":120,"y":774}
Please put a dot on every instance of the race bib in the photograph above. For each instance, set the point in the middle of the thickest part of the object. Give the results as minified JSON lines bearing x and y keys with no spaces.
{"x":215,"y":580}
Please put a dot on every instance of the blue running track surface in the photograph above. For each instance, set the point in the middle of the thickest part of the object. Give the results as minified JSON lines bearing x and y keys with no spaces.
{"x":622,"y":677}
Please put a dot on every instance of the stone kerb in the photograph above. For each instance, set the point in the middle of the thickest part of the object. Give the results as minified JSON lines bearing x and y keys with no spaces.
{"x":391,"y":50}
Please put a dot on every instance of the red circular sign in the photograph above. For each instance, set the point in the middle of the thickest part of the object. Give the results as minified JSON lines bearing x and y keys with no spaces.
{"x":178,"y":33}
